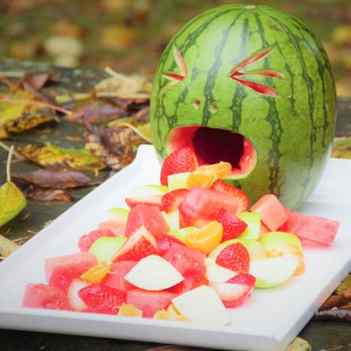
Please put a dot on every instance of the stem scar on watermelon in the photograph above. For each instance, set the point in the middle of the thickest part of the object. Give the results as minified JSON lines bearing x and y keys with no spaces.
{"x":212,"y":145}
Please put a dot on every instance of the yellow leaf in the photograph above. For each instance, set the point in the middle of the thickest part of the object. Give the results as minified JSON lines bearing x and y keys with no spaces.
{"x":299,"y":344}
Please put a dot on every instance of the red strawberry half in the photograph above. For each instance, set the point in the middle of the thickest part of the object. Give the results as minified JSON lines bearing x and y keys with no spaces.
{"x":234,"y":257}
{"x":140,"y":244}
{"x":102,"y":299}
{"x":179,"y":161}
{"x":171,"y":200}
{"x":241,"y":198}
{"x":232,"y":225}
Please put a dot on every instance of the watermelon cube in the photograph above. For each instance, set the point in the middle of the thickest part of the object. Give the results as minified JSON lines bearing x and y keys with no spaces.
{"x":45,"y":296}
{"x":312,"y":230}
{"x":273,"y":213}
{"x":61,"y":270}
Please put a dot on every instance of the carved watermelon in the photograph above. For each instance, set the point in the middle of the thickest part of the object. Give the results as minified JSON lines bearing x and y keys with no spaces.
{"x":252,"y":86}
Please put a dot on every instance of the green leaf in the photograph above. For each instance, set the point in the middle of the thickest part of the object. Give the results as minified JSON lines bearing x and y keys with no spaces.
{"x":12,"y":202}
{"x":53,"y":155}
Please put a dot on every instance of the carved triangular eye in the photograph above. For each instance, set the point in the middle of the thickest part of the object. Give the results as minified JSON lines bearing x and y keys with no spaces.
{"x":182,"y":68}
{"x":238,"y":72}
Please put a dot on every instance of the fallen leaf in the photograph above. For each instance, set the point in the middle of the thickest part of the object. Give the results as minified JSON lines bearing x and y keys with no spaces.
{"x":342,"y":35}
{"x":342,"y":147}
{"x":35,"y":81}
{"x":344,"y":286}
{"x":7,"y":246}
{"x":117,"y":37}
{"x":54,"y":179}
{"x":50,"y":155}
{"x":49,"y":195}
{"x":27,"y":122}
{"x":129,"y":104}
{"x":119,"y":85}
{"x":96,"y":112}
{"x":299,"y":344}
{"x":12,"y":200}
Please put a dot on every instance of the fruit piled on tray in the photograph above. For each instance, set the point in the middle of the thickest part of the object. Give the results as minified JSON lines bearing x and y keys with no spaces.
{"x":185,"y":250}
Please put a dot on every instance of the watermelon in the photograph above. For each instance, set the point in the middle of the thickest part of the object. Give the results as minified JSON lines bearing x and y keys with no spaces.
{"x":312,"y":230}
{"x":61,"y":270}
{"x":45,"y":296}
{"x":115,"y":278}
{"x":256,"y":83}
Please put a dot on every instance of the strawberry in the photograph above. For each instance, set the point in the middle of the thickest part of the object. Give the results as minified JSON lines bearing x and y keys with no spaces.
{"x":240,"y":196}
{"x":102,"y":299}
{"x":179,"y":161}
{"x":171,"y":200}
{"x":232,"y":225}
{"x":234,"y":257}
{"x":140,"y":244}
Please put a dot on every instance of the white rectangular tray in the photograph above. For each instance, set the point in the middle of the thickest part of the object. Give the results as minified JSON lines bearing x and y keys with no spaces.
{"x":269,"y":321}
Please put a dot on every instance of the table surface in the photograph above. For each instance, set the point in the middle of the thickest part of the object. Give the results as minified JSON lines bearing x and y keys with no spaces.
{"x":322,"y":335}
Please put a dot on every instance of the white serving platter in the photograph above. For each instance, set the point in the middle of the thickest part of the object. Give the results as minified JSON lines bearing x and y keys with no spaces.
{"x":268,"y":322}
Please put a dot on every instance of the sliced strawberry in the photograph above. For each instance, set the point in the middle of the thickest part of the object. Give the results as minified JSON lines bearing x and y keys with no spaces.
{"x":171,"y":200}
{"x":140,"y":244}
{"x":87,"y":240}
{"x":234,"y":257}
{"x":201,"y":205}
{"x":148,"y":216}
{"x":232,"y":225}
{"x":236,"y":290}
{"x":179,"y":161}
{"x":102,"y":299}
{"x":242,"y":199}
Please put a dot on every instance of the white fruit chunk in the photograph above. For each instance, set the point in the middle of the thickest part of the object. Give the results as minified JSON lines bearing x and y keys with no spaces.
{"x":73,"y":295}
{"x":216,"y":273}
{"x":202,"y":305}
{"x":273,"y":271}
{"x":153,"y":273}
{"x":178,"y":181}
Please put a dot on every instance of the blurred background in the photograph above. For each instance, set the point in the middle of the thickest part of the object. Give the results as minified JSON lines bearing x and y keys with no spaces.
{"x":129,"y":35}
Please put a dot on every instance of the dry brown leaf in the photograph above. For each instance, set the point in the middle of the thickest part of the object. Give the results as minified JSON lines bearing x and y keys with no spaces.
{"x":7,"y":246}
{"x":49,"y":195}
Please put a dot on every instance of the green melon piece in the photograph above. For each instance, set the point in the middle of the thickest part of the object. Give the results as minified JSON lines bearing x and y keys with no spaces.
{"x":290,"y":122}
{"x":106,"y":247}
{"x":253,"y":221}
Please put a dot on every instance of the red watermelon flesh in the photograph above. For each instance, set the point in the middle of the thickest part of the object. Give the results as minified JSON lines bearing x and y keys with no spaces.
{"x":311,"y":229}
{"x":115,"y":278}
{"x":273,"y":213}
{"x":115,"y":226}
{"x":148,"y":216}
{"x":205,"y":204}
{"x":187,"y":261}
{"x":102,"y":299}
{"x":45,"y":296}
{"x":149,"y":301}
{"x":87,"y":240}
{"x":61,"y":270}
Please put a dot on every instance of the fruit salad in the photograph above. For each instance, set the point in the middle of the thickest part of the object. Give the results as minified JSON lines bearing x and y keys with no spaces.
{"x":187,"y":249}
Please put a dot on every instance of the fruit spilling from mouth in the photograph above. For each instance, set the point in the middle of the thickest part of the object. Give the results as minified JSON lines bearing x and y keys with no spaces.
{"x":188,"y":254}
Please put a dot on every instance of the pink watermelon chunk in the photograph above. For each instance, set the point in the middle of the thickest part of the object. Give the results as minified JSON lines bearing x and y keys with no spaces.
{"x":115,"y":278}
{"x":273,"y":213}
{"x":61,"y":270}
{"x":312,"y":230}
{"x":149,"y":301}
{"x":45,"y":296}
{"x":148,"y":216}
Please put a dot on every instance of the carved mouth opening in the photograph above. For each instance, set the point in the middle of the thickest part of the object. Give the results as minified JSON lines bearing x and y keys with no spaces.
{"x":212,"y":145}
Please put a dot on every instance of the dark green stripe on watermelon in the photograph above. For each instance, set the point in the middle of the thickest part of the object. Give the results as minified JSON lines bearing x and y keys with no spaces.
{"x":292,"y":132}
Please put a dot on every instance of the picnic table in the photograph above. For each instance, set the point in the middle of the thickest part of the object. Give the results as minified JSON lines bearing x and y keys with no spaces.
{"x":322,"y":335}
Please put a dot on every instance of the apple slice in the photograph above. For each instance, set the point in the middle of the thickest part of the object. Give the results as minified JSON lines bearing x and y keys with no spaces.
{"x":154,"y":273}
{"x":273,"y":271}
{"x":216,"y":273}
{"x":202,"y":305}
{"x":147,"y":194}
{"x":106,"y":247}
{"x":74,"y":300}
{"x":236,"y":290}
{"x":178,"y":181}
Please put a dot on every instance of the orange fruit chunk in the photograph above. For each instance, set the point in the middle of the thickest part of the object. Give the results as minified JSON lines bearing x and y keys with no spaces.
{"x":129,"y":310}
{"x":169,"y":314}
{"x":96,"y":274}
{"x":219,"y":170}
{"x":200,"y":180}
{"x":205,"y":239}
